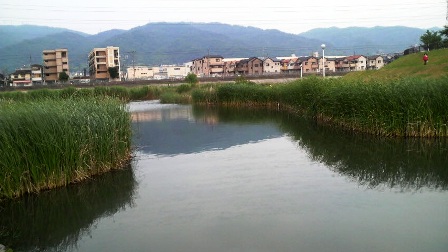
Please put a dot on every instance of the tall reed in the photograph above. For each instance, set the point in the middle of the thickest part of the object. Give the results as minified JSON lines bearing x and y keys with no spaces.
{"x":122,"y":93}
{"x":409,"y":107}
{"x":53,"y":142}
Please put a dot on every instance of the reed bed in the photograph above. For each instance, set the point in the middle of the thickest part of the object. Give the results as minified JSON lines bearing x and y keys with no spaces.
{"x":409,"y":107}
{"x":47,"y":143}
{"x":122,"y":93}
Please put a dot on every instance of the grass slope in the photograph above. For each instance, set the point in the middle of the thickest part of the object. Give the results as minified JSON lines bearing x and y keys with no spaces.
{"x":409,"y":66}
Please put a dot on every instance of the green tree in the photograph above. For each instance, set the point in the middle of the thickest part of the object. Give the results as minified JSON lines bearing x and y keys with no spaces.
{"x":431,"y":40}
{"x":444,"y":34}
{"x":63,"y":76}
{"x":113,"y":72}
{"x":191,"y":78}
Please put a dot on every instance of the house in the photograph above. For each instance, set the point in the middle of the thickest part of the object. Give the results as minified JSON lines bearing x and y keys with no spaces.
{"x":330,"y":64}
{"x":251,"y":66}
{"x":101,"y":59}
{"x":55,"y":62}
{"x":271,"y":66}
{"x":208,"y":66}
{"x":310,"y":64}
{"x":21,"y":77}
{"x":351,"y":63}
{"x":285,"y":65}
{"x":230,"y":65}
{"x":375,"y":62}
{"x":359,"y":62}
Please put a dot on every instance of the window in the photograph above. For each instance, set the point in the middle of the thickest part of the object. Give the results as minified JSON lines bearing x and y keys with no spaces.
{"x":256,"y":65}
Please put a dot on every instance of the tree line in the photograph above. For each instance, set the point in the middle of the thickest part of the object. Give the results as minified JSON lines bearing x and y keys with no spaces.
{"x":435,"y":39}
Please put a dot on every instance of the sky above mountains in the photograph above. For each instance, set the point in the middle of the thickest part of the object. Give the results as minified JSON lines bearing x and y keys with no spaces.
{"x":290,"y":16}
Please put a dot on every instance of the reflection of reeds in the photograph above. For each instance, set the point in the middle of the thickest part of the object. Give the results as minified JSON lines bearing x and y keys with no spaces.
{"x":407,"y":164}
{"x":55,"y":220}
{"x":406,"y":108}
{"x":374,"y":162}
{"x":53,"y":142}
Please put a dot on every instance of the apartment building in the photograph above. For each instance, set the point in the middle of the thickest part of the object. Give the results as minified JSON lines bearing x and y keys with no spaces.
{"x":55,"y":62}
{"x":101,"y":59}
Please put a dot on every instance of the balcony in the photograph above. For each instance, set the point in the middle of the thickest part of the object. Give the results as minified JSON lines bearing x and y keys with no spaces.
{"x":50,"y":71}
{"x":101,"y":68}
{"x":50,"y":64}
{"x":49,"y":56}
{"x":100,"y":54}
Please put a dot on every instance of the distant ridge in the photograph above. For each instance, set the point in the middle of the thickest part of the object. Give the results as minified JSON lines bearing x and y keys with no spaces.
{"x":368,"y":41}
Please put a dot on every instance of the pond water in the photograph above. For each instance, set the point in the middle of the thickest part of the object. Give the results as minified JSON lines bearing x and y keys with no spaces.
{"x":209,"y":179}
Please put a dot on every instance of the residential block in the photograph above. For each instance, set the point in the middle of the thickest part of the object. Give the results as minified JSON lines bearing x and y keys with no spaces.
{"x":101,"y":59}
{"x":55,"y":62}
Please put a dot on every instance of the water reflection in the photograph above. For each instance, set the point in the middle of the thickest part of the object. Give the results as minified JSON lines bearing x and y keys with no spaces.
{"x":407,"y":164}
{"x":174,"y":129}
{"x":56,"y":220}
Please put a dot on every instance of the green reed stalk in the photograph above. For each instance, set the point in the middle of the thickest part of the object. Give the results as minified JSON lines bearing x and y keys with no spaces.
{"x":52,"y":142}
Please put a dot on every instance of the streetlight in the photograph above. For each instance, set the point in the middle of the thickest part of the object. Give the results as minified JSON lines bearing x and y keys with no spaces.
{"x":323,"y":59}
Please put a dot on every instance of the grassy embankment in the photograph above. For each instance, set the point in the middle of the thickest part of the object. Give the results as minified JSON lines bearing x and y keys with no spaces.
{"x":408,"y":66}
{"x":405,"y":99}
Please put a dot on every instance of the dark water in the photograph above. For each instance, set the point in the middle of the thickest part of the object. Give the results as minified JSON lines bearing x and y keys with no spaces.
{"x":245,"y":180}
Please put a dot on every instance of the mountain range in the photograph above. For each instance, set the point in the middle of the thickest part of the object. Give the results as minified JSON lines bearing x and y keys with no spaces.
{"x":177,"y":43}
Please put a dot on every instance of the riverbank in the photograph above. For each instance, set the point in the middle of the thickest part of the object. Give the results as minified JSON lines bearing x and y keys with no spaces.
{"x":407,"y":107}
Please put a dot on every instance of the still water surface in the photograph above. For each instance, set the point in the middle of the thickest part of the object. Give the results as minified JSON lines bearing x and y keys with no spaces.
{"x":245,"y":180}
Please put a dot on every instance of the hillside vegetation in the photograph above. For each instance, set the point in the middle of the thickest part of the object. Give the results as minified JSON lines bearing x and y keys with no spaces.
{"x":409,"y":66}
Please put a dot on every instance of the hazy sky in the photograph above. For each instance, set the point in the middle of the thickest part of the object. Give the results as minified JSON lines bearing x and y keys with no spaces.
{"x":293,"y":16}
